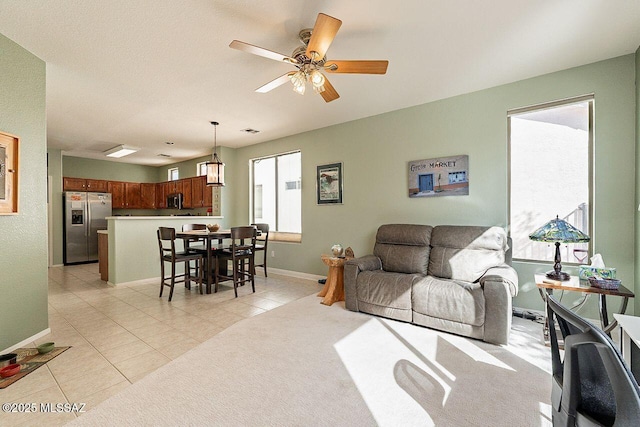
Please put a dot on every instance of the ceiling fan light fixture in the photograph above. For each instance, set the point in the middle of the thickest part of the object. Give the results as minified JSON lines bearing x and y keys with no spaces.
{"x":298,"y":80}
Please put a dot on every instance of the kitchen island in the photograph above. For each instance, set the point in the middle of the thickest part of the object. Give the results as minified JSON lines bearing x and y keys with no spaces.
{"x":133,"y":244}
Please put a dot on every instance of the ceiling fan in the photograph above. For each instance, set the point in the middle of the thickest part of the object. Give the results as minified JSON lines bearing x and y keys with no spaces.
{"x":310,"y":60}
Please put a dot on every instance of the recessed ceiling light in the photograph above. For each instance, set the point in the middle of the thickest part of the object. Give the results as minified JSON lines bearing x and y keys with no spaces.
{"x":169,"y":143}
{"x":249,"y":130}
{"x":163,"y":155}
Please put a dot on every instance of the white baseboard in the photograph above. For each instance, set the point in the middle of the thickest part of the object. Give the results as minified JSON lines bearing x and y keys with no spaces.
{"x":147,"y":281}
{"x":27,"y":341}
{"x":289,"y":273}
{"x":295,"y":274}
{"x":543,"y":313}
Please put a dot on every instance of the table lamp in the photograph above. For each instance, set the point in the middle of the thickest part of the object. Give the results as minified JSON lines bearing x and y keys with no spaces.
{"x":558,"y":231}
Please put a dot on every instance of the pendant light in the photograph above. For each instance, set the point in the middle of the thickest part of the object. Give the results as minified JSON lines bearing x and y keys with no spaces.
{"x":215,"y":168}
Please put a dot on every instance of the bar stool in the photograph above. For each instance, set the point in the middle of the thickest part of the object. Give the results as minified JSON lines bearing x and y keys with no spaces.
{"x":167,"y":246}
{"x":241,"y":253}
{"x":261,"y":245}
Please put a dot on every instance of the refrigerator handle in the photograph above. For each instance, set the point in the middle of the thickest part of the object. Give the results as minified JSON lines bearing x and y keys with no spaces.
{"x":87,"y":227}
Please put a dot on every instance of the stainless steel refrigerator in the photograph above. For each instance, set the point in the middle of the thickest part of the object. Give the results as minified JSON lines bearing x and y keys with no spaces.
{"x":84,"y":215}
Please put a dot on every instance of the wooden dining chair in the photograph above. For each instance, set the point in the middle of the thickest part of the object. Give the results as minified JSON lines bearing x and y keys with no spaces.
{"x":241,"y":254}
{"x":196,"y":244}
{"x":261,"y":245}
{"x":168,"y":253}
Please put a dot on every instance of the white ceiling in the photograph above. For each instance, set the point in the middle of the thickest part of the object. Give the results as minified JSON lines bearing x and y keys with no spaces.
{"x":144,"y":72}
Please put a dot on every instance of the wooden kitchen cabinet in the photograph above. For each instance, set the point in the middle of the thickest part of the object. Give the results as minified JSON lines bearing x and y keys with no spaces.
{"x":82,"y":184}
{"x":187,"y":199}
{"x":207,"y":194}
{"x":74,"y":184}
{"x":148,"y":196}
{"x":196,"y":192}
{"x":132,"y":195}
{"x":161,"y":196}
{"x":97,"y":185}
{"x":117,"y":190}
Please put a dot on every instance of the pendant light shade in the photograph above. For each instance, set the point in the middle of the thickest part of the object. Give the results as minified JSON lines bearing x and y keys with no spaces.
{"x":215,"y":168}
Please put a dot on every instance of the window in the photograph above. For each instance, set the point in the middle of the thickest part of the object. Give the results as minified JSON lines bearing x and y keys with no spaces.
{"x":201,"y":169}
{"x":550,"y":173}
{"x":277,"y":195}
{"x":173,"y":174}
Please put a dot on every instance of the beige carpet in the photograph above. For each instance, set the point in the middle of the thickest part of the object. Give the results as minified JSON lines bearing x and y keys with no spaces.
{"x":308,"y":364}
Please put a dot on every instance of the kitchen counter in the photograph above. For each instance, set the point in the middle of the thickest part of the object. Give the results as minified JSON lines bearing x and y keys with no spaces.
{"x":133,"y":244}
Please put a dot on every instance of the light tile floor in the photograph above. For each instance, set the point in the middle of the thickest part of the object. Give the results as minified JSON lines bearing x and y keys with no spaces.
{"x":120,"y":334}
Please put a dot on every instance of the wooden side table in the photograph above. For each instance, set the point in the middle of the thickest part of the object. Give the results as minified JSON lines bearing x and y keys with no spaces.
{"x":576,"y":285}
{"x":334,"y":287}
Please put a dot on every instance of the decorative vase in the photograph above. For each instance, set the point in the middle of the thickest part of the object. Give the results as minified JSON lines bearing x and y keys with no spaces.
{"x":336,"y":250}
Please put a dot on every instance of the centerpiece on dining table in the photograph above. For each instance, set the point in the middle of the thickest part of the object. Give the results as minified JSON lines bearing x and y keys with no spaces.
{"x":213,"y":227}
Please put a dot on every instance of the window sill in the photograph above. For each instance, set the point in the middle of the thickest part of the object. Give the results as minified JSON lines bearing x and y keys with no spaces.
{"x":279,"y":236}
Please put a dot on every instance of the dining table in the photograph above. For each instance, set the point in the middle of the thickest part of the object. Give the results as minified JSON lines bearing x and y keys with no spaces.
{"x":208,"y":237}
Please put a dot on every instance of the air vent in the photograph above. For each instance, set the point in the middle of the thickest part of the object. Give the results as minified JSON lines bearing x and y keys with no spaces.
{"x":249,"y":130}
{"x":163,"y":155}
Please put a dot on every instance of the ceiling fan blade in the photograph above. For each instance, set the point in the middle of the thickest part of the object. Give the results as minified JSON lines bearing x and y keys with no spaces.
{"x":357,"y":67}
{"x":322,"y":35}
{"x":249,"y":48}
{"x":329,"y":94}
{"x":275,"y":83}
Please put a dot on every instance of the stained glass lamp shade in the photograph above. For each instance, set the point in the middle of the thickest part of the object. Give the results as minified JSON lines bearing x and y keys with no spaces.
{"x":558,"y":231}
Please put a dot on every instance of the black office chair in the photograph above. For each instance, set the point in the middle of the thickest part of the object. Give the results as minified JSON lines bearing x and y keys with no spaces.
{"x":241,"y":253}
{"x":592,"y":386}
{"x":168,"y":253}
{"x":261,"y":245}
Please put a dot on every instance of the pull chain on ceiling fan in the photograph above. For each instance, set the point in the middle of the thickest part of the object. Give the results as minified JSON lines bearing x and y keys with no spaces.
{"x":310,"y":60}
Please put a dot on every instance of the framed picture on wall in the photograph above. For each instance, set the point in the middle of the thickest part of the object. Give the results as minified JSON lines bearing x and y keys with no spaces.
{"x":442,"y":176}
{"x":329,"y":184}
{"x":8,"y":174}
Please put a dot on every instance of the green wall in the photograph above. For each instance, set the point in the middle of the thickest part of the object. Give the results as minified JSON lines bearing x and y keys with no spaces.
{"x":23,"y":254}
{"x":375,"y":152}
{"x":54,"y":170}
{"x":637,"y":199}
{"x":78,"y":167}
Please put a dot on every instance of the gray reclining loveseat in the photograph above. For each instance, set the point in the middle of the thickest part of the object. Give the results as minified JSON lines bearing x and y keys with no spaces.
{"x":452,"y":278}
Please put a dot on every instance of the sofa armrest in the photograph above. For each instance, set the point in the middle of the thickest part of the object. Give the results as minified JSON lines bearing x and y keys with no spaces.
{"x":351,"y":270}
{"x":505,"y":274}
{"x":500,"y":285}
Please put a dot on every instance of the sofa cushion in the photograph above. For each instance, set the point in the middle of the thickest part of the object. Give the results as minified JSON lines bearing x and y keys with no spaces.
{"x":466,"y":252}
{"x":452,"y":300}
{"x":403,"y":248}
{"x":382,"y":288}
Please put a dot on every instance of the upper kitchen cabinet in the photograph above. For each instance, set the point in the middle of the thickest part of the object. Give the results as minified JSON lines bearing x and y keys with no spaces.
{"x":132,"y":195}
{"x":187,"y":199}
{"x":82,"y":184}
{"x":118,"y":198}
{"x":200,"y":193}
{"x":97,"y":185}
{"x":148,"y":196}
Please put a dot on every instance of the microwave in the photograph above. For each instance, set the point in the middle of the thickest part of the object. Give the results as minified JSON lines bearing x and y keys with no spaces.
{"x":174,"y":201}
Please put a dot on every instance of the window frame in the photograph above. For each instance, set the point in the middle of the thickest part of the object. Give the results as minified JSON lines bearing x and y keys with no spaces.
{"x":199,"y":169}
{"x":170,"y":170}
{"x":590,"y":99}
{"x":275,"y":235}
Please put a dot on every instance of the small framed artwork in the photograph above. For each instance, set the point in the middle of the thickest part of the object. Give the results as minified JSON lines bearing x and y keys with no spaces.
{"x":8,"y":174}
{"x":329,"y":184}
